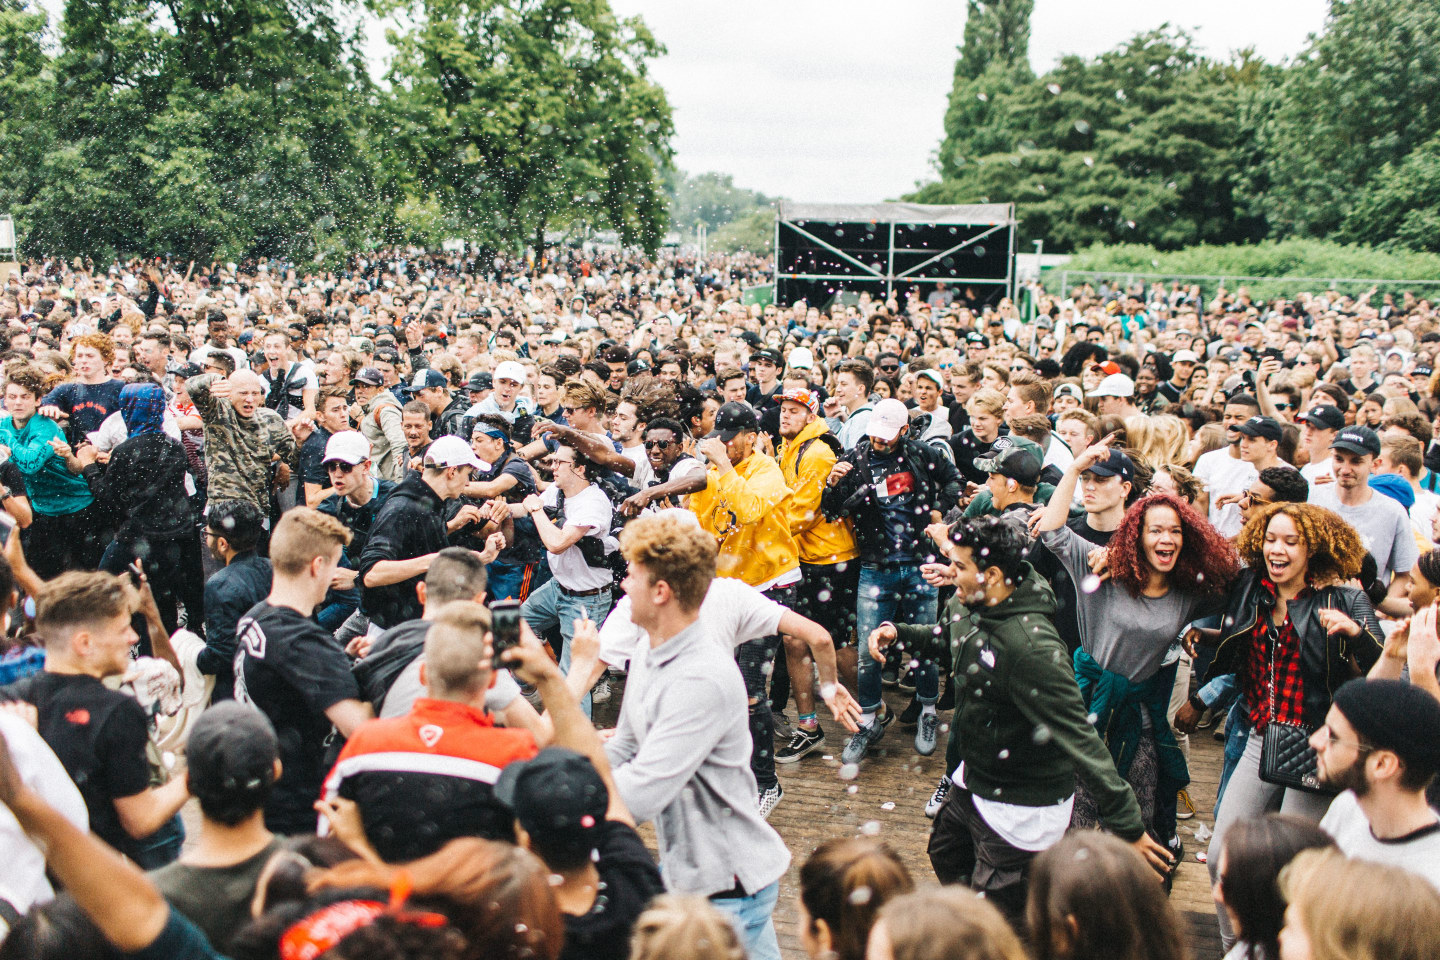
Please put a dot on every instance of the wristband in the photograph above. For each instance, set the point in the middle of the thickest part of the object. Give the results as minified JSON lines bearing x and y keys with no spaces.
{"x":1197,"y":703}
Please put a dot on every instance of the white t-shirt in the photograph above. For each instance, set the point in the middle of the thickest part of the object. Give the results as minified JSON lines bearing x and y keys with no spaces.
{"x":589,"y":508}
{"x":685,"y":468}
{"x":1222,"y":474}
{"x":302,"y":379}
{"x":1025,"y":828}
{"x":1419,"y":852}
{"x":23,"y":881}
{"x":198,"y":355}
{"x":1312,"y":470}
{"x":1422,"y":514}
{"x":732,"y":613}
{"x":636,"y":455}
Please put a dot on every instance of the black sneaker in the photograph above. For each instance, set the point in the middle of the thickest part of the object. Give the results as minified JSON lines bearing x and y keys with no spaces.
{"x":906,"y":681}
{"x":802,"y":742}
{"x":911,"y":714}
{"x":889,"y":672}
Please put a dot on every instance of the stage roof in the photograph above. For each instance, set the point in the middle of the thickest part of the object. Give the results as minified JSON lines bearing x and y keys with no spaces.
{"x":972,"y":213}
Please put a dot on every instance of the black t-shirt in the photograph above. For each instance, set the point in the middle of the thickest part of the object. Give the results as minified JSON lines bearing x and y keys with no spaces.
{"x":87,"y":403}
{"x":629,"y":879}
{"x":100,"y":736}
{"x":13,"y":479}
{"x":292,"y":670}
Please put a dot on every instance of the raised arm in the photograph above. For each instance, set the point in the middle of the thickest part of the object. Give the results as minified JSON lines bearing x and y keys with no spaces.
{"x":1057,"y":511}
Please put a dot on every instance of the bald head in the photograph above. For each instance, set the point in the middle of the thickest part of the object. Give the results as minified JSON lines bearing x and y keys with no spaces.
{"x":247,"y":393}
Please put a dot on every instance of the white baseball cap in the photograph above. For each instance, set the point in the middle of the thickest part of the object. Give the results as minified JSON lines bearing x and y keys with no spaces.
{"x":801,"y":359}
{"x":510,"y":370}
{"x":887,"y":420}
{"x":451,"y":451}
{"x":1185,"y":356}
{"x":347,"y":446}
{"x":1115,"y":385}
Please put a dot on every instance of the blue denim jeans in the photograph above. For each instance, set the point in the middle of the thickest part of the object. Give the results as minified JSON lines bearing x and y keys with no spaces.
{"x":162,"y":847}
{"x":753,"y":917}
{"x":900,"y":595}
{"x":550,"y":607}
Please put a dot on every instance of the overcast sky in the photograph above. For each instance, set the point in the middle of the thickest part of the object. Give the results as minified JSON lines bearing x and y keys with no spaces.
{"x":844,"y":100}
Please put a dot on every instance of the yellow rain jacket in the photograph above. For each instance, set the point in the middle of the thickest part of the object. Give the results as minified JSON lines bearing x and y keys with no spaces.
{"x":805,"y":462}
{"x":744,"y":511}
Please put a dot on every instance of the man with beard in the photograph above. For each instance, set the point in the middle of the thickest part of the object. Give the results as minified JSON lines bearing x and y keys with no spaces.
{"x":1380,"y":743}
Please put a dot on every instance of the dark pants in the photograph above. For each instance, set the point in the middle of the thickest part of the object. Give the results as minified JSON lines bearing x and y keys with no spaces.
{"x":71,"y":541}
{"x":173,"y":567}
{"x":757,"y":659}
{"x":964,"y":849}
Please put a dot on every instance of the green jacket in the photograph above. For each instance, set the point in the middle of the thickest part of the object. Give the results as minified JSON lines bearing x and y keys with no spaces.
{"x":1023,"y":729}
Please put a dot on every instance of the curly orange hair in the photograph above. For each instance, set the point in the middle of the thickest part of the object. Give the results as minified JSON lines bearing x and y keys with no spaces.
{"x":1333,"y":545}
{"x":96,"y":341}
{"x":1207,"y":562}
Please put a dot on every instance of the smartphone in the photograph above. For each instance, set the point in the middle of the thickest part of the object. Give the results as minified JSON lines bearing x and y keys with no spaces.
{"x":504,"y":627}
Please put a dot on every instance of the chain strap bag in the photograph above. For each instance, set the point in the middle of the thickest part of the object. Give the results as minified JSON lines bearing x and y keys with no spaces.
{"x":1286,"y":757}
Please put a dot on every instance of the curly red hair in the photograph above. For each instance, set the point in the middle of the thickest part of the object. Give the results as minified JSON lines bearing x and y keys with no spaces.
{"x":1207,"y":562}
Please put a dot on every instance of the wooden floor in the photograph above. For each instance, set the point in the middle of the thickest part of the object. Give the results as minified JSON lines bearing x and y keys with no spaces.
{"x":888,"y":800}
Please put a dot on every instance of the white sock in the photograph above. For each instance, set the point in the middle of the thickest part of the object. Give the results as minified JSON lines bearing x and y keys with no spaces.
{"x":867,"y":718}
{"x":927,"y":709}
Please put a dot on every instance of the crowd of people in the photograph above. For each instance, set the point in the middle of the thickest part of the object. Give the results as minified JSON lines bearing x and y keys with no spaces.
{"x":350,"y":558}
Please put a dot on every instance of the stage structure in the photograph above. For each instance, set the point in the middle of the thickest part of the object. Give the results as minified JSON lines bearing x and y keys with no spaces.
{"x":889,"y":249}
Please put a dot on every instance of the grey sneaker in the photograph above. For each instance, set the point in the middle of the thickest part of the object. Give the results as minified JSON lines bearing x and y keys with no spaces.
{"x":867,"y":736}
{"x":937,"y":799}
{"x":925,"y":734}
{"x":600,"y":693}
{"x":769,"y":799}
{"x":784,"y":727}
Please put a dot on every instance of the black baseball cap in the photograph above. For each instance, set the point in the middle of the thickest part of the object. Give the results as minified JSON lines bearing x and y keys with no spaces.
{"x":556,"y":795}
{"x":367,"y":377}
{"x":231,"y":756}
{"x":480,"y":380}
{"x":773,"y":356}
{"x":1015,"y":457}
{"x":1324,"y":417}
{"x":977,"y":338}
{"x":733,"y":419}
{"x":1267,"y":428}
{"x":1117,"y":464}
{"x":1358,"y":440}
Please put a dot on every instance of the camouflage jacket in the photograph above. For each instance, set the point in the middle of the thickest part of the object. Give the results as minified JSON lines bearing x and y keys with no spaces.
{"x":239,"y":451}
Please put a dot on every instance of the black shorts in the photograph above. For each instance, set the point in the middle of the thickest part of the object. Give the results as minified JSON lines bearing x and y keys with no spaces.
{"x":827,"y":594}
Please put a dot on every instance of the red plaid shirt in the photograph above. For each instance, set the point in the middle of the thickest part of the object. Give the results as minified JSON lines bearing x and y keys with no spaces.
{"x":1256,"y":670}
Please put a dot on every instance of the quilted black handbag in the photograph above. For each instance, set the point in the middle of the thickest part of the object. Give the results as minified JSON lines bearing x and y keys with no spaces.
{"x":1286,"y":757}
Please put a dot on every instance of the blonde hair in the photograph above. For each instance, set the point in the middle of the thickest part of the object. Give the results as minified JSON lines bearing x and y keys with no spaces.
{"x":1209,"y":437}
{"x":1358,"y":910}
{"x":986,"y":400}
{"x":302,"y":535}
{"x":669,"y":549}
{"x":947,"y":923}
{"x":1160,"y":439}
{"x":684,"y":928}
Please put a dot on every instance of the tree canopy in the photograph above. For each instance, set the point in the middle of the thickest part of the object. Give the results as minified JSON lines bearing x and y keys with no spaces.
{"x":253,"y":127}
{"x":1154,"y":143}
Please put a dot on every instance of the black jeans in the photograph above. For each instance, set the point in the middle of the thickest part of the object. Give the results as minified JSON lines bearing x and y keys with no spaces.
{"x":965,"y":849}
{"x":757,"y":662}
{"x":70,"y":541}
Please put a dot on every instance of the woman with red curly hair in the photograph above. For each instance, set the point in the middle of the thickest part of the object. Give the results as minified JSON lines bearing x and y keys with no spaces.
{"x":1292,"y":634}
{"x":1168,"y":567}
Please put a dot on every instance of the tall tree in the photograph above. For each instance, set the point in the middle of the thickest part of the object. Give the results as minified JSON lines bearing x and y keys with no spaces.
{"x":1364,"y":94}
{"x":533,"y":114}
{"x":996,"y":32}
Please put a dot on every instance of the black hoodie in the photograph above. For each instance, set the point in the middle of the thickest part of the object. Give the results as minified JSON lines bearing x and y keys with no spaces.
{"x":410,"y":524}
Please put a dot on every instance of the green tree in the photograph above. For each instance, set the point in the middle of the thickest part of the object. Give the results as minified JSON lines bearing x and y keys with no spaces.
{"x":1400,"y":205}
{"x":711,"y":199}
{"x":536,"y":114}
{"x":1361,"y":97}
{"x":1139,"y":144}
{"x":996,"y":32}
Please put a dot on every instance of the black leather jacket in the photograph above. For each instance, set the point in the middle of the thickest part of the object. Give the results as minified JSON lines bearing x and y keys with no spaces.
{"x":1326,"y":659}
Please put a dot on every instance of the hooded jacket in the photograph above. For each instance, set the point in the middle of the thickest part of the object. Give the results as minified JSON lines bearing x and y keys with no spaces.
{"x":411,"y":523}
{"x":381,"y":425}
{"x":933,"y":479}
{"x":805,"y":462}
{"x":743,"y":509}
{"x":1022,"y":726}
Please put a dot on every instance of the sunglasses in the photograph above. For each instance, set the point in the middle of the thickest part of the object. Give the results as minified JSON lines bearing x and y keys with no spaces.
{"x":340,"y":466}
{"x":660,"y":444}
{"x":889,"y":369}
{"x":568,"y":410}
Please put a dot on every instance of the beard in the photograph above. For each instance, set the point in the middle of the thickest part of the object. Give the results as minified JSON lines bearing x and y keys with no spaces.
{"x":1350,"y":778}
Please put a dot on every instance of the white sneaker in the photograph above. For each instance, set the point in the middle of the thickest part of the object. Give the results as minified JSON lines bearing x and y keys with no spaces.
{"x":937,"y":799}
{"x":600,"y":693}
{"x":770,"y":799}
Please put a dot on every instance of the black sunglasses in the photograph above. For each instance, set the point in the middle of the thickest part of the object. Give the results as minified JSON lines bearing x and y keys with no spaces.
{"x":661,"y":444}
{"x":340,"y":466}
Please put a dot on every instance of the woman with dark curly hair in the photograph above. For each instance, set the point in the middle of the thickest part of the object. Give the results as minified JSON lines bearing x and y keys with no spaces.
{"x":1167,"y":568}
{"x":1291,"y":635}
